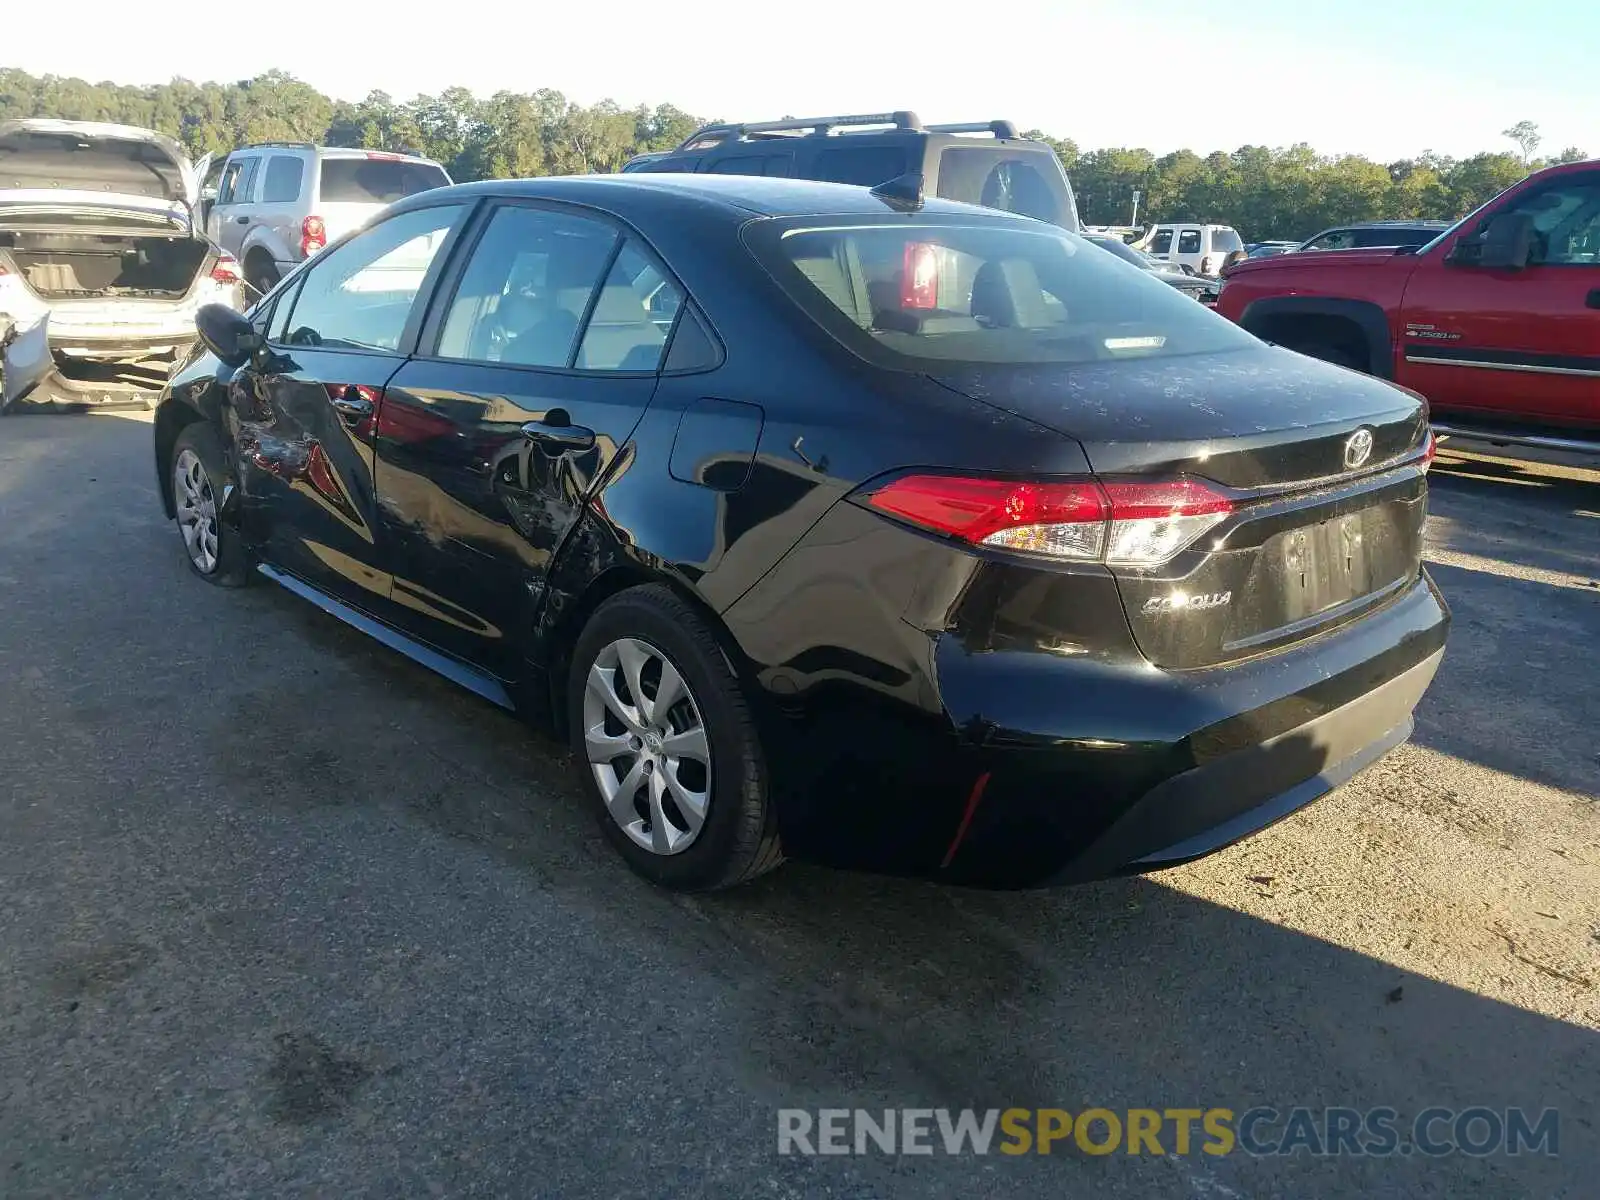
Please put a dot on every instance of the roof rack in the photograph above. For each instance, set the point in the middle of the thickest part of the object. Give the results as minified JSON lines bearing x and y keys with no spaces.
{"x":819,"y":126}
{"x":1001,"y":129}
{"x":283,"y":145}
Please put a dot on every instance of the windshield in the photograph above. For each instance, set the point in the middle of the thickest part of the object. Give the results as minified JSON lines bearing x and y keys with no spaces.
{"x":906,"y":293}
{"x":377,"y":180}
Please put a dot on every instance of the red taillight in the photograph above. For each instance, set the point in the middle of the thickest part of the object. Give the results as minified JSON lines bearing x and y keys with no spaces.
{"x":226,"y":270}
{"x":313,"y":236}
{"x":1429,"y":449}
{"x":383,"y":156}
{"x":1120,"y":522}
{"x":919,"y":288}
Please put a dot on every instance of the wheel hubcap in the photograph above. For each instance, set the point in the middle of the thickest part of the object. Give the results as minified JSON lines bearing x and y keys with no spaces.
{"x":197,"y":510}
{"x":647,"y":746}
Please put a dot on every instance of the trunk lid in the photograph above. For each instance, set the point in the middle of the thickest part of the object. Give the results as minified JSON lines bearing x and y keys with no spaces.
{"x":1321,"y":464}
{"x":90,"y":163}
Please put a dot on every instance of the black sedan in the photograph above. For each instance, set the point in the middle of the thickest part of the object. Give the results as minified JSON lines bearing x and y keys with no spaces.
{"x":826,"y":522}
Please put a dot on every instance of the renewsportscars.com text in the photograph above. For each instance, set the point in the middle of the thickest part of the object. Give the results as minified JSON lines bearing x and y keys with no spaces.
{"x":1260,"y":1131}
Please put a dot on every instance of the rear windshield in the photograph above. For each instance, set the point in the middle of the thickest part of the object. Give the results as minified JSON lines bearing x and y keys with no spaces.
{"x":377,"y":180}
{"x":1225,"y":241}
{"x":1026,"y":182}
{"x":908,"y":295}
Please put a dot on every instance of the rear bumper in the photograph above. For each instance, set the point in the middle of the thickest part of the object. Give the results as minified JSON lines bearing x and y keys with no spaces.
{"x":1201,"y":765}
{"x":1051,"y":770}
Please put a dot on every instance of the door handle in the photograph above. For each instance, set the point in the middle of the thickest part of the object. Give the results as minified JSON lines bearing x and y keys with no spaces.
{"x":351,"y":404}
{"x":1594,"y":299}
{"x":555,"y":436}
{"x":241,"y":220}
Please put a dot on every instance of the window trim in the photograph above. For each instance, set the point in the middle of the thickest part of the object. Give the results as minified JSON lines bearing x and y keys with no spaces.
{"x":431,"y":331}
{"x":406,"y":346}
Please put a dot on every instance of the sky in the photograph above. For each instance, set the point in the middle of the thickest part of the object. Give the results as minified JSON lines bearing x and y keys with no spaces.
{"x":1374,"y":77}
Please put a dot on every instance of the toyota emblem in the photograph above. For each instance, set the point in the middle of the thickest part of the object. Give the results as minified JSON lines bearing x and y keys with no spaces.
{"x":1357,"y":449}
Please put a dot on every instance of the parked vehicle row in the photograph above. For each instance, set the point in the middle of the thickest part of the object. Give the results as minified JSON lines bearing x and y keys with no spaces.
{"x":1496,"y":319}
{"x":824,"y":522}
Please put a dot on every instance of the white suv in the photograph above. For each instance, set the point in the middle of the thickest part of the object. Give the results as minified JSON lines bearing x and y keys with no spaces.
{"x":277,"y":204}
{"x":1200,"y":249}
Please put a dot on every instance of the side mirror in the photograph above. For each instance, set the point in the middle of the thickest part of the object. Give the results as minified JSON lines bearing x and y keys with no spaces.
{"x":227,"y":334}
{"x":1505,"y":243}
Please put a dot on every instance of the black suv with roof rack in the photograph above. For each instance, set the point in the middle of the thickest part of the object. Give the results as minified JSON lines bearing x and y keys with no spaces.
{"x":1004,"y":171}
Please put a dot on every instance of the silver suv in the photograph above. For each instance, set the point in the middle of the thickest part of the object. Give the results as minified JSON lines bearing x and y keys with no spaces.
{"x":278,"y":203}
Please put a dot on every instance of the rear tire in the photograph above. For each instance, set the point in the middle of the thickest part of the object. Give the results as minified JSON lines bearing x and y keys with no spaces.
{"x":213,"y":548}
{"x":724,"y":831}
{"x":262,"y":275}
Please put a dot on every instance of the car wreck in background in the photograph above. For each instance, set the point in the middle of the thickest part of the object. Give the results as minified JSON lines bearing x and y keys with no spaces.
{"x":102,"y":263}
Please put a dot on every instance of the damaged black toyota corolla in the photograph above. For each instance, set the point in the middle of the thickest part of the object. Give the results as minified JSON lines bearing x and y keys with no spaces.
{"x":828,"y":523}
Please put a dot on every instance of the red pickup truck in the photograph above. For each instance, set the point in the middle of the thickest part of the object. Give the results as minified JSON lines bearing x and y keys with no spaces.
{"x":1496,"y":321}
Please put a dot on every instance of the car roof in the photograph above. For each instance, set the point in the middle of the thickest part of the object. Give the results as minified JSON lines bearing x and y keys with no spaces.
{"x":730,"y":195}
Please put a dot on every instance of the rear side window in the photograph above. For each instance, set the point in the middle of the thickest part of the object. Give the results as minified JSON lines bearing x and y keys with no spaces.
{"x":376,"y":180}
{"x":1225,"y":241}
{"x":1027,"y":183}
{"x":865,"y":166}
{"x":282,"y":185}
{"x":628,"y":327}
{"x":1161,"y":243}
{"x":1189,"y":241}
{"x":935,"y":292}
{"x":752,"y":164}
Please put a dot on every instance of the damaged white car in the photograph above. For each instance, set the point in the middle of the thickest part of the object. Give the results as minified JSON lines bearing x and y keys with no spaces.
{"x":103,"y":264}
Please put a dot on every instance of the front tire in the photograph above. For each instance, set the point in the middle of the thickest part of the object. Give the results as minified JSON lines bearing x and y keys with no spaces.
{"x":667,"y":747}
{"x":212,"y":547}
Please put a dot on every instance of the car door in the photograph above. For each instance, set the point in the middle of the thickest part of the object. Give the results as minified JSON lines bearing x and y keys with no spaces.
{"x":304,"y":414}
{"x":230,"y":217}
{"x":1520,"y":344}
{"x":276,"y":215}
{"x":528,"y":384}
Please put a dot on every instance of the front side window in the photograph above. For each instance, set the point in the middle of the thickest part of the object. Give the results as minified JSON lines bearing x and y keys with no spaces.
{"x":524,"y":293}
{"x":1161,"y":243}
{"x":359,"y":295}
{"x":1334,"y":239}
{"x":1566,"y":221}
{"x":236,"y":181}
{"x":907,"y":295}
{"x":282,"y":185}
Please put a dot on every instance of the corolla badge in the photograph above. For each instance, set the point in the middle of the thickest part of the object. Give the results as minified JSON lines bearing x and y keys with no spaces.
{"x":1182,"y":602}
{"x":1357,"y":449}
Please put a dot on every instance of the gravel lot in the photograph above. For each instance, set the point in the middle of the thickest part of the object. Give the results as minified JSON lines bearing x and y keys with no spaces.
{"x":283,"y":915}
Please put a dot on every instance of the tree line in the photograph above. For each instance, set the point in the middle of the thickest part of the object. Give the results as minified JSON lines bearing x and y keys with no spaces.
{"x":1264,"y":192}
